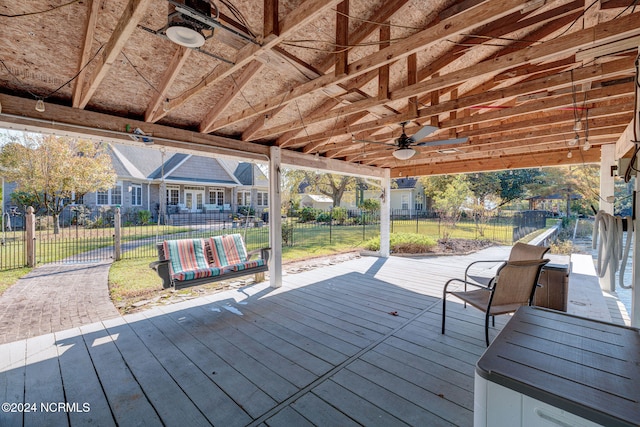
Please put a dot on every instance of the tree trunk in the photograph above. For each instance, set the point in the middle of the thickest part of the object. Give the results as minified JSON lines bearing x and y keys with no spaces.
{"x":56,"y":223}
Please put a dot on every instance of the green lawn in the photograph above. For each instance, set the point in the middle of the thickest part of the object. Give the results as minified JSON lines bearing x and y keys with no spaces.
{"x":131,"y":278}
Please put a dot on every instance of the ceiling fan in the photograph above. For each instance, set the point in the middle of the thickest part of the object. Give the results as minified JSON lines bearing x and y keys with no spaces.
{"x":404,"y":143}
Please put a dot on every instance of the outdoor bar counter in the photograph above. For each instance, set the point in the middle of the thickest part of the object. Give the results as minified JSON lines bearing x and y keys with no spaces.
{"x":548,"y":368}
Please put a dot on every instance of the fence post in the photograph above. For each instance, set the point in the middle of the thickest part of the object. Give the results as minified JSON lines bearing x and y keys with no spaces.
{"x":330,"y":223}
{"x":30,"y":230}
{"x":117,"y":237}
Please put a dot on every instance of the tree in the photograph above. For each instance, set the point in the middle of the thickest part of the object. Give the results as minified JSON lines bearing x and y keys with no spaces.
{"x":330,"y":185}
{"x":449,"y":194}
{"x":55,"y":171}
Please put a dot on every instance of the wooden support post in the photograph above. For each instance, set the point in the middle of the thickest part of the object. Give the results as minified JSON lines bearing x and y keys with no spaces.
{"x":271,"y":24}
{"x":30,"y":243}
{"x":342,"y":38}
{"x":117,"y":236}
{"x":275,"y":218}
{"x":385,"y":215}
{"x":635,"y":275}
{"x":412,"y":78}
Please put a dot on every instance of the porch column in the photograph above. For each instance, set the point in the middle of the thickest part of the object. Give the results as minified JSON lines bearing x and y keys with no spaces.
{"x":275,"y":218}
{"x":635,"y":275}
{"x":385,"y":214}
{"x":607,"y":159}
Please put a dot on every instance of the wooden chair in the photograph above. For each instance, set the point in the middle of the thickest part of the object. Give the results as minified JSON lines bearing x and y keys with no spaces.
{"x":513,"y":287}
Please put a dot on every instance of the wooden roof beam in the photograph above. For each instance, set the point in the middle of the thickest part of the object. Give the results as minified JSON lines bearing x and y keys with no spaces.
{"x":382,"y":14}
{"x":466,"y":20}
{"x":556,"y":158}
{"x":296,"y":19}
{"x":421,"y":75}
{"x":563,"y":79}
{"x":173,"y":69}
{"x":89,"y":31}
{"x":132,"y":14}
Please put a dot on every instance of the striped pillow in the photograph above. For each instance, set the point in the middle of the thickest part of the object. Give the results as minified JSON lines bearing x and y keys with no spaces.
{"x":227,"y":250}
{"x":185,"y":255}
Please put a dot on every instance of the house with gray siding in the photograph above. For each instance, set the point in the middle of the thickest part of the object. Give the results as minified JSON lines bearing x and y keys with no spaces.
{"x":162,"y":181}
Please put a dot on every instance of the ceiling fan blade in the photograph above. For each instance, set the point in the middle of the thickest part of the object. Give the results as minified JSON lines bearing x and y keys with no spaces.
{"x":452,"y":141}
{"x":424,"y":132}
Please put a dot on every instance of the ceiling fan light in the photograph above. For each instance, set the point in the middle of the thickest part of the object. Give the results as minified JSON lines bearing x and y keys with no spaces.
{"x":185,"y":35}
{"x":404,"y":153}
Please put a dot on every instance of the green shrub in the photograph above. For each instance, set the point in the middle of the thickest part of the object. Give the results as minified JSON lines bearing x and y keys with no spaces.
{"x":287,"y":233}
{"x":246,"y":210}
{"x":562,"y":247}
{"x":324,"y":217}
{"x":339,"y":215}
{"x":370,"y":205}
{"x":144,"y":217}
{"x":309,"y":214}
{"x":403,"y":243}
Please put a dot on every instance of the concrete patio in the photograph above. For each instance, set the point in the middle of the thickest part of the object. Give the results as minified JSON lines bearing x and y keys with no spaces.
{"x":356,"y":343}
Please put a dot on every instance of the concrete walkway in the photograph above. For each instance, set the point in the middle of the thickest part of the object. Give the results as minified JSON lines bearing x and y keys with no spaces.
{"x":55,"y":297}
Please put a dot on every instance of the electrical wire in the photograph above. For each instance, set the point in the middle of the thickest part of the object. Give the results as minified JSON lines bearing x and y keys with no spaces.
{"x":384,"y":24}
{"x":238,"y":15}
{"x":18,"y":15}
{"x":139,"y":73}
{"x":632,"y":6}
{"x":53,"y":92}
{"x":242,"y":94}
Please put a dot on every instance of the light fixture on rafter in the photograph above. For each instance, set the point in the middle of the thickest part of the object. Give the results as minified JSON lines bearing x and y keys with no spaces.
{"x":574,"y":141}
{"x":569,"y":155}
{"x":577,"y":125}
{"x":185,"y":26}
{"x":40,"y":106}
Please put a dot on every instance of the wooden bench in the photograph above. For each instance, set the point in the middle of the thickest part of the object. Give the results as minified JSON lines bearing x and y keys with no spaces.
{"x":190,"y":262}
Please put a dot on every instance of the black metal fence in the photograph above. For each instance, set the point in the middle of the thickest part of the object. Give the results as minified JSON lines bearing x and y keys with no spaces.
{"x":81,"y":235}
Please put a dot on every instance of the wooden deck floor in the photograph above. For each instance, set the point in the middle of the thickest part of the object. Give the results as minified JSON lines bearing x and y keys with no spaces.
{"x":356,"y":343}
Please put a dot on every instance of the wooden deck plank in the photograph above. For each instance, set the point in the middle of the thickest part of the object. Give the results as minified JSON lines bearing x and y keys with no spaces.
{"x":288,"y":417}
{"x":437,"y":379}
{"x":249,"y":326}
{"x":225,"y":325}
{"x":125,"y":396}
{"x":43,"y":383}
{"x":396,"y":406}
{"x":354,"y":406}
{"x":296,"y":320}
{"x":435,"y":404}
{"x":349,"y":319}
{"x":260,"y":374}
{"x":354,"y":289}
{"x":12,"y":371}
{"x":212,"y":401}
{"x":247,"y":394}
{"x":295,"y":338}
{"x":81,"y":383}
{"x":320,"y":413}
